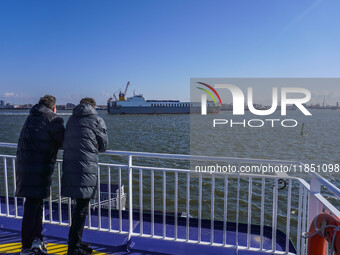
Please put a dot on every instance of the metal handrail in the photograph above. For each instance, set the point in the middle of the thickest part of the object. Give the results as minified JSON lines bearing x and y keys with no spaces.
{"x":330,"y":186}
{"x":309,"y":195}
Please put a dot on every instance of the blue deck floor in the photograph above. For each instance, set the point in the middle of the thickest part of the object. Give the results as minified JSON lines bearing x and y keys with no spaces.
{"x":110,"y":243}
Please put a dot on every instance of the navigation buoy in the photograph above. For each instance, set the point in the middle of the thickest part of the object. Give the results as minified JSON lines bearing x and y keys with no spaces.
{"x":303,"y":129}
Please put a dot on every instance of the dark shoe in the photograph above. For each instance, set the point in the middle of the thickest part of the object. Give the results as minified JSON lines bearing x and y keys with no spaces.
{"x":79,"y":251}
{"x":39,"y":247}
{"x":26,"y":252}
{"x":86,"y":247}
{"x":85,"y":244}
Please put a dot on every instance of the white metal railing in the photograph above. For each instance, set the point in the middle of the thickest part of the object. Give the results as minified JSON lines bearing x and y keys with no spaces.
{"x":156,"y":191}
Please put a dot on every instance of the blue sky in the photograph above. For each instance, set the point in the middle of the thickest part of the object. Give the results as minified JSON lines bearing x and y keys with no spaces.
{"x":73,"y":49}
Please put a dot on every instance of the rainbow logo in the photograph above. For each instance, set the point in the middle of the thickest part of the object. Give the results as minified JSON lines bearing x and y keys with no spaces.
{"x":209,"y":93}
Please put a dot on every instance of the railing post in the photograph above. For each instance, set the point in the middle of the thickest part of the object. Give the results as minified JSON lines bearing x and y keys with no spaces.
{"x":99,"y":200}
{"x":315,"y":207}
{"x":6,"y":186}
{"x":109,"y":195}
{"x":14,"y":189}
{"x":59,"y":194}
{"x":130,"y":198}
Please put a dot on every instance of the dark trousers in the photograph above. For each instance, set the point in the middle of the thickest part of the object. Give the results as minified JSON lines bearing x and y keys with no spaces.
{"x":78,"y":223}
{"x":32,"y":221}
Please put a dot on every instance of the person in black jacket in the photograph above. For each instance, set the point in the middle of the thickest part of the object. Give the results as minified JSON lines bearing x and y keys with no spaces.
{"x":85,"y":136}
{"x":39,"y":141}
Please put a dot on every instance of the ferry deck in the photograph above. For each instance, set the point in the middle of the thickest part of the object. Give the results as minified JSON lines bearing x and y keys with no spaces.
{"x":259,"y":216}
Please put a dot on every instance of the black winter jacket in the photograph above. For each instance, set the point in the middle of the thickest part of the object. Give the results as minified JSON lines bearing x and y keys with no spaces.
{"x":85,"y":135}
{"x":39,"y":141}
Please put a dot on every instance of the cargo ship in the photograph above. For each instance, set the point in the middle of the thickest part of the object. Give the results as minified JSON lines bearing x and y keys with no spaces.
{"x":138,"y":105}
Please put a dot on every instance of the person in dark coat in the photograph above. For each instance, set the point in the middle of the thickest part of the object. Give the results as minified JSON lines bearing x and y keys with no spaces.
{"x":39,"y":141}
{"x":85,"y":136}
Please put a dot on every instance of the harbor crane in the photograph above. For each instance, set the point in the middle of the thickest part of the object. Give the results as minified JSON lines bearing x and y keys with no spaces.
{"x":122,"y":95}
